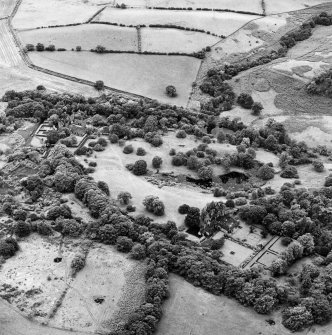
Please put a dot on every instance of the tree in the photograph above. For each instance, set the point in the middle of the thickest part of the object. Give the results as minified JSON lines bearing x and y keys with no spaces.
{"x":307,"y":241}
{"x":124,"y":244}
{"x":257,"y":108}
{"x":264,"y":304}
{"x":290,"y":172}
{"x":78,"y":48}
{"x":318,"y":165}
{"x":192,"y":219}
{"x":265,"y":172}
{"x":296,"y":318}
{"x":154,"y":205}
{"x":30,"y":47}
{"x":183,"y":209}
{"x":99,"y":85}
{"x":128,"y":149}
{"x":213,"y":216}
{"x":138,"y":251}
{"x":124,"y":198}
{"x":245,"y":100}
{"x":100,"y":49}
{"x":22,"y":229}
{"x":171,"y":91}
{"x":104,"y":187}
{"x":328,"y":181}
{"x":156,"y":162}
{"x":52,"y":136}
{"x":181,"y":134}
{"x":221,"y":137}
{"x":40,"y":47}
{"x":140,"y":168}
{"x":205,"y":173}
{"x":140,"y":152}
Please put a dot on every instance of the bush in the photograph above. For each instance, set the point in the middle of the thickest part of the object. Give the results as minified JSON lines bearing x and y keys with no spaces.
{"x":205,"y":173}
{"x":114,"y":138}
{"x":240,"y":201}
{"x":318,"y":166}
{"x":218,"y":192}
{"x":221,"y":137}
{"x":183,"y":209}
{"x":181,"y":134}
{"x":154,"y":205}
{"x":124,"y":198}
{"x":230,"y":203}
{"x":139,"y":168}
{"x":40,"y":47}
{"x":257,"y":108}
{"x":289,"y":172}
{"x":7,"y":249}
{"x":128,"y":149}
{"x":140,"y":152}
{"x":104,"y":187}
{"x":172,"y":152}
{"x":245,"y":100}
{"x":99,"y":85}
{"x":102,"y":141}
{"x":156,"y":162}
{"x":77,"y":264}
{"x":171,"y":91}
{"x":265,"y":172}
{"x":22,"y":229}
{"x":138,"y":251}
{"x":193,"y":218}
{"x":124,"y":244}
{"x":328,"y":181}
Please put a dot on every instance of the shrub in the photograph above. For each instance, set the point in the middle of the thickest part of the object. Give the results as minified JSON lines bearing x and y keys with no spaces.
{"x":221,"y":137}
{"x":172,"y":152}
{"x":7,"y":249}
{"x":102,"y":141}
{"x":245,"y":100}
{"x":139,"y":168}
{"x":128,"y":149}
{"x":181,"y":134}
{"x":257,"y":108}
{"x":140,"y":152}
{"x":318,"y":166}
{"x":193,"y":218}
{"x":99,"y":85}
{"x":154,"y":205}
{"x":138,"y":251}
{"x":183,"y":209}
{"x":265,"y":172}
{"x":156,"y":162}
{"x":205,"y":173}
{"x":78,"y":48}
{"x":230,"y":203}
{"x":218,"y":192}
{"x":328,"y":181}
{"x":240,"y":201}
{"x":93,"y":164}
{"x":124,"y":198}
{"x":77,"y":264}
{"x":40,"y":47}
{"x":289,"y":172}
{"x":22,"y":229}
{"x":124,"y":244}
{"x":206,"y":139}
{"x":104,"y":187}
{"x":171,"y":91}
{"x":114,"y":138}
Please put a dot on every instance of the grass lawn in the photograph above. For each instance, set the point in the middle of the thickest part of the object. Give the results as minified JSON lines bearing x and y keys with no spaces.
{"x":147,"y":75}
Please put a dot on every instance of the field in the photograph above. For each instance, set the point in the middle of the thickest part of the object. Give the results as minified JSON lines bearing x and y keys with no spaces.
{"x":253,"y":6}
{"x":40,"y":13}
{"x":141,"y":74}
{"x":86,"y":36}
{"x":190,"y":310}
{"x":174,"y":40}
{"x":219,"y":23}
{"x":280,"y":6}
{"x":33,"y":283}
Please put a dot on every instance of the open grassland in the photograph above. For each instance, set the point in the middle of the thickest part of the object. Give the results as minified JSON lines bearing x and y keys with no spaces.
{"x":219,"y":23}
{"x":104,"y":276}
{"x":280,"y":6}
{"x":37,"y":13}
{"x":190,"y":310}
{"x":239,"y":5}
{"x":86,"y":36}
{"x":147,"y":75}
{"x":174,"y":40}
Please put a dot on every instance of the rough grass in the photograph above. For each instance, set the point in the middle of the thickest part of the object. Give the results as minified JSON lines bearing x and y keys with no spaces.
{"x":147,"y":75}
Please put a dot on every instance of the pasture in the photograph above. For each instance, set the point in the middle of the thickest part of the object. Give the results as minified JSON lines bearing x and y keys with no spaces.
{"x":219,"y":23}
{"x":147,"y":75}
{"x":86,"y":36}
{"x":37,"y":13}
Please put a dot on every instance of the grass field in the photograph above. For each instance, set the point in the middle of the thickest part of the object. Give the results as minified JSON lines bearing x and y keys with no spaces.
{"x":219,"y":23}
{"x":240,"y":5}
{"x":174,"y":40}
{"x":37,"y":13}
{"x":86,"y":36}
{"x":147,"y":75}
{"x":193,"y":311}
{"x":280,"y":6}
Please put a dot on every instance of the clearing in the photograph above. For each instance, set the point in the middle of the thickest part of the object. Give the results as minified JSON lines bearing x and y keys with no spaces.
{"x":146,"y":75}
{"x":86,"y":36}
